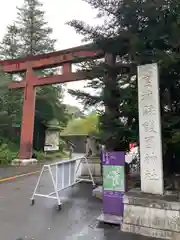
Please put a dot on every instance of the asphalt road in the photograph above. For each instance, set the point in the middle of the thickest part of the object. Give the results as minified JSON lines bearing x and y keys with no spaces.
{"x":76,"y":220}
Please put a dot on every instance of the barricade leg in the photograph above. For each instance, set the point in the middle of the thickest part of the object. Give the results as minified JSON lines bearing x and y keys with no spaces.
{"x":89,"y":170}
{"x":54,"y":182}
{"x":37,"y":184}
{"x":90,"y":173}
{"x":56,"y":177}
{"x":55,"y":188}
{"x":78,"y":167}
{"x":76,"y":178}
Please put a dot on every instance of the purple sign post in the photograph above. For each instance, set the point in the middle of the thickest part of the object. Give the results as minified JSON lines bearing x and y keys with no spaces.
{"x":113,"y":187}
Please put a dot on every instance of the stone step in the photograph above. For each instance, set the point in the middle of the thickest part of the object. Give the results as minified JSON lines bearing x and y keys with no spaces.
{"x":169,"y":201}
{"x":151,"y":215}
{"x":152,"y":218}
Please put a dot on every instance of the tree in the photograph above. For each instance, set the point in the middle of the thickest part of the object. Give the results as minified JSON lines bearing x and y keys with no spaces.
{"x":10,"y":46}
{"x":33,"y":30}
{"x":82,"y":126}
{"x":114,"y":131}
{"x":74,"y":112}
{"x":11,"y":100}
{"x":30,"y":35}
{"x":152,"y":31}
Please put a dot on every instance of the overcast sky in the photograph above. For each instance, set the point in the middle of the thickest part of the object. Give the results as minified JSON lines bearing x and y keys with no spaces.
{"x":58,"y":12}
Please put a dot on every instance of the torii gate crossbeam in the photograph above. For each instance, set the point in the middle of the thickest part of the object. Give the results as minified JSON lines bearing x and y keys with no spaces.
{"x":63,"y":58}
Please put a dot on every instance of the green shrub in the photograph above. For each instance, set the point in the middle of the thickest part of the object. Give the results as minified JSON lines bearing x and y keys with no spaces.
{"x":62,"y":145}
{"x":9,"y":152}
{"x":6,"y":154}
{"x":42,"y":156}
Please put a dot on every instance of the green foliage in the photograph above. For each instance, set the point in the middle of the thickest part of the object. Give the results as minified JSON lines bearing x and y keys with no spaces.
{"x":10,"y":111}
{"x":109,"y":89}
{"x":62,"y":145}
{"x":28,"y":35}
{"x":33,"y":30}
{"x":10,"y":45}
{"x":151,"y":30}
{"x":42,"y":156}
{"x":82,"y":126}
{"x":49,"y":105}
{"x":8,"y":151}
{"x":6,"y":154}
{"x":73,"y":112}
{"x":91,"y":100}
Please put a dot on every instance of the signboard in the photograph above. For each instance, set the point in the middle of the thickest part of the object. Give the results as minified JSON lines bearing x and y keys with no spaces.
{"x":150,"y":130}
{"x":113,"y":183}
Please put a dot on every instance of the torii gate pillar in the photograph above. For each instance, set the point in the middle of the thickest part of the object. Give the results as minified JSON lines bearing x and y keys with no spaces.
{"x":27,"y":123}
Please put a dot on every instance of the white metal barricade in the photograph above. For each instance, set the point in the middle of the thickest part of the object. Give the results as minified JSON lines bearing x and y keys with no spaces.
{"x":65,"y":176}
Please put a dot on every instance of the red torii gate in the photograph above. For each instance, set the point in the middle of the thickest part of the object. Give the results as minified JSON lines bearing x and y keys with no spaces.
{"x":63,"y":58}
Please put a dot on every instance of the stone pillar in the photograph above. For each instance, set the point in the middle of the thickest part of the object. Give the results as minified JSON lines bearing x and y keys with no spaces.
{"x":150,"y":130}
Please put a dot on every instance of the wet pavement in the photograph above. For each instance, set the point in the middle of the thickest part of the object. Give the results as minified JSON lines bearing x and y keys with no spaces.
{"x":76,"y":220}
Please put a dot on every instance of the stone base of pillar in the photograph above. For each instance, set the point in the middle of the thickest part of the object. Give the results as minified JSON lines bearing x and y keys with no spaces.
{"x":152,"y":215}
{"x":110,"y":219}
{"x":24,"y":162}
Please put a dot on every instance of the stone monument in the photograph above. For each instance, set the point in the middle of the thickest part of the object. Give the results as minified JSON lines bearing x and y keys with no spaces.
{"x":147,"y":211}
{"x":52,"y":136}
{"x":150,"y":130}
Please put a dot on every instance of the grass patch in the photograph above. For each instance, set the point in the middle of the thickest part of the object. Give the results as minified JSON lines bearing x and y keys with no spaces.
{"x":7,"y":153}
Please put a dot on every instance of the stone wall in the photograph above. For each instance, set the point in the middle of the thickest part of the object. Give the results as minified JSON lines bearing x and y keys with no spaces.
{"x":94,"y":164}
{"x":78,"y":142}
{"x":153,"y":216}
